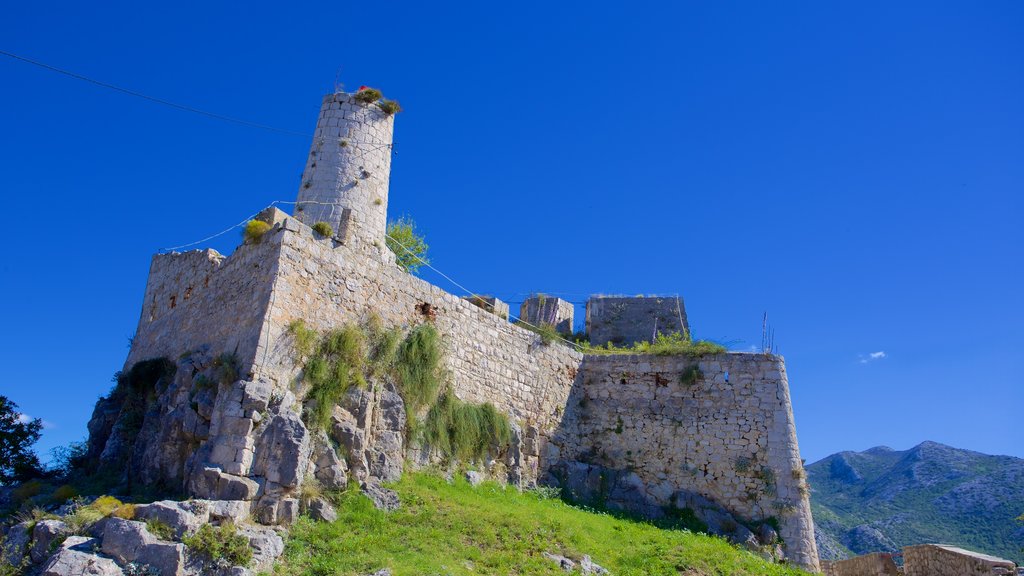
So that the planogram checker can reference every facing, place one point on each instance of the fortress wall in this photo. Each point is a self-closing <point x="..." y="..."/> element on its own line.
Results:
<point x="733" y="441"/>
<point x="201" y="298"/>
<point x="624" y="320"/>
<point x="491" y="360"/>
<point x="877" y="564"/>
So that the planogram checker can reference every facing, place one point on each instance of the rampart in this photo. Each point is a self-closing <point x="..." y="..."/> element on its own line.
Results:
<point x="877" y="564"/>
<point x="645" y="433"/>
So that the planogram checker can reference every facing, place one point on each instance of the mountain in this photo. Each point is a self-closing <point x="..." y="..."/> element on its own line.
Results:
<point x="883" y="499"/>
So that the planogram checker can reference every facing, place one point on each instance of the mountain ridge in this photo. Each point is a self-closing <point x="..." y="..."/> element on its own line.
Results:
<point x="882" y="499"/>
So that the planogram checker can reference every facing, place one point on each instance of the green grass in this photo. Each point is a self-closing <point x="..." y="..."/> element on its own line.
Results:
<point x="465" y="431"/>
<point x="419" y="367"/>
<point x="545" y="330"/>
<point x="663" y="345"/>
<point x="459" y="530"/>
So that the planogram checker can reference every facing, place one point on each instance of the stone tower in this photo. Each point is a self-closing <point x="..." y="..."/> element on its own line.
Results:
<point x="345" y="182"/>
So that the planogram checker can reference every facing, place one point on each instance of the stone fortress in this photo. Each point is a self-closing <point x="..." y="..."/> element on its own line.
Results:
<point x="639" y="433"/>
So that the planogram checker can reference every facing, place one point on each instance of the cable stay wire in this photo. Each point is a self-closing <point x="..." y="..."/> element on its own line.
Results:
<point x="153" y="98"/>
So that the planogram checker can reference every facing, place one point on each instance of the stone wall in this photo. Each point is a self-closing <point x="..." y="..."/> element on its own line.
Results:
<point x="327" y="284"/>
<point x="626" y="320"/>
<point x="877" y="564"/>
<point x="939" y="560"/>
<point x="201" y="298"/>
<point x="664" y="431"/>
<point x="538" y="310"/>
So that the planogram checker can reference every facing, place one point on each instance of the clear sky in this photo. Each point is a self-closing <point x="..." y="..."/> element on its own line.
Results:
<point x="855" y="169"/>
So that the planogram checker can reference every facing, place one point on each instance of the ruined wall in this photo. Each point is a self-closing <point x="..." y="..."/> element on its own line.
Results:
<point x="877" y="564"/>
<point x="624" y="320"/>
<point x="664" y="432"/>
<point x="938" y="560"/>
<point x="327" y="284"/>
<point x="539" y="310"/>
<point x="201" y="298"/>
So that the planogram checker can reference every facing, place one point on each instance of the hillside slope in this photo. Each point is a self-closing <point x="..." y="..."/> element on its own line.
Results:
<point x="444" y="528"/>
<point x="883" y="499"/>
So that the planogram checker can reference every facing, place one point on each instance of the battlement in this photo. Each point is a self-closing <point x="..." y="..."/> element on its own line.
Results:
<point x="625" y="320"/>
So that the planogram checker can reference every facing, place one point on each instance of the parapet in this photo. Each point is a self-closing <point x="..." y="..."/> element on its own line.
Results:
<point x="541" y="309"/>
<point x="493" y="305"/>
<point x="624" y="320"/>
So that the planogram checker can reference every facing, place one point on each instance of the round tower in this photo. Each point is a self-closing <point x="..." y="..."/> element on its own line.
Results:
<point x="345" y="182"/>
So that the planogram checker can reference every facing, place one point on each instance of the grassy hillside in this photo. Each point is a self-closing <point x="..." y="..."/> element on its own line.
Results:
<point x="884" y="499"/>
<point x="457" y="529"/>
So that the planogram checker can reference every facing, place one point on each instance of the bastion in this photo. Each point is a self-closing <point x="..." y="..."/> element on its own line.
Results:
<point x="652" y="435"/>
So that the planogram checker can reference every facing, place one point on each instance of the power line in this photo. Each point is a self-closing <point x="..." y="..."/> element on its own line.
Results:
<point x="153" y="98"/>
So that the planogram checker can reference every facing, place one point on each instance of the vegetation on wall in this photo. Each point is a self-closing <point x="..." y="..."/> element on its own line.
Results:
<point x="545" y="330"/>
<point x="419" y="367"/>
<point x="464" y="431"/>
<point x="254" y="231"/>
<point x="335" y="364"/>
<point x="323" y="229"/>
<point x="367" y="96"/>
<point x="409" y="248"/>
<point x="663" y="345"/>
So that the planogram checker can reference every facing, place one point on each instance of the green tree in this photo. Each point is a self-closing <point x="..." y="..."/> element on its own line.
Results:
<point x="409" y="248"/>
<point x="17" y="435"/>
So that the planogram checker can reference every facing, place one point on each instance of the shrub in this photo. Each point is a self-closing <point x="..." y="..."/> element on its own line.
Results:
<point x="63" y="494"/>
<point x="418" y="367"/>
<point x="83" y="517"/>
<point x="159" y="529"/>
<point x="691" y="375"/>
<point x="124" y="512"/>
<point x="220" y="543"/>
<point x="465" y="431"/>
<point x="409" y="247"/>
<point x="367" y="96"/>
<point x="226" y="368"/>
<point x="389" y="107"/>
<point x="255" y="230"/>
<point x="304" y="338"/>
<point x="337" y="364"/>
<point x="546" y="331"/>
<point x="323" y="229"/>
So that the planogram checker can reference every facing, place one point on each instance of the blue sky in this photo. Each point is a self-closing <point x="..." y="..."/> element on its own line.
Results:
<point x="854" y="169"/>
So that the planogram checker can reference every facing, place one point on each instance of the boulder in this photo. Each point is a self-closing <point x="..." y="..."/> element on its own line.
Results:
<point x="236" y="511"/>
<point x="183" y="517"/>
<point x="588" y="566"/>
<point x="15" y="544"/>
<point x="321" y="509"/>
<point x="474" y="478"/>
<point x="563" y="562"/>
<point x="129" y="542"/>
<point x="266" y="545"/>
<point x="282" y="451"/>
<point x="44" y="538"/>
<point x="383" y="498"/>
<point x="330" y="470"/>
<point x="77" y="557"/>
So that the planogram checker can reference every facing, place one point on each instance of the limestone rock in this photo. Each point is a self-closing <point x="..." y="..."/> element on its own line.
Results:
<point x="563" y="562"/>
<point x="44" y="535"/>
<point x="330" y="470"/>
<point x="383" y="498"/>
<point x="236" y="511"/>
<point x="16" y="543"/>
<point x="588" y="566"/>
<point x="77" y="557"/>
<point x="266" y="545"/>
<point x="282" y="451"/>
<point x="183" y="517"/>
<point x="129" y="541"/>
<point x="321" y="509"/>
<point x="474" y="478"/>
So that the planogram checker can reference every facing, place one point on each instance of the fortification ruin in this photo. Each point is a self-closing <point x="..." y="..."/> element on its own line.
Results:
<point x="655" y="435"/>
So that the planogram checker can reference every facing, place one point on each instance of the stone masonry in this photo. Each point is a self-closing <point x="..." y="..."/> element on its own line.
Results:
<point x="624" y="320"/>
<point x="714" y="434"/>
<point x="541" y="309"/>
<point x="923" y="560"/>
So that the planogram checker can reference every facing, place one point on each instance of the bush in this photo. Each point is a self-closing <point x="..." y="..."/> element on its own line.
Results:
<point x="367" y="96"/>
<point x="83" y="517"/>
<point x="409" y="247"/>
<point x="336" y="365"/>
<point x="323" y="229"/>
<point x="124" y="512"/>
<point x="255" y="230"/>
<point x="418" y="367"/>
<point x="465" y="431"/>
<point x="159" y="529"/>
<point x="389" y="107"/>
<point x="304" y="338"/>
<point x="220" y="543"/>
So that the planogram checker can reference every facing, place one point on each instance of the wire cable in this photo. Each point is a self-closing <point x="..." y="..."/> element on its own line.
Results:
<point x="153" y="98"/>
